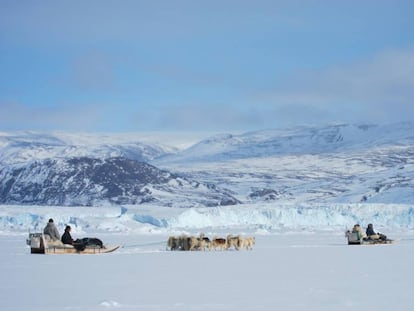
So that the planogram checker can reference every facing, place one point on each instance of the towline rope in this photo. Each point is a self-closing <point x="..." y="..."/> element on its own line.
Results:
<point x="144" y="244"/>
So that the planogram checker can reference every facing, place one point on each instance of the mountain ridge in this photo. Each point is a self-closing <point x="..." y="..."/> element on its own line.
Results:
<point x="335" y="163"/>
<point x="296" y="140"/>
<point x="85" y="181"/>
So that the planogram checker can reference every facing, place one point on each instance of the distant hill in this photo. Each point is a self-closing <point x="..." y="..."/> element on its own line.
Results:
<point x="87" y="181"/>
<point x="22" y="147"/>
<point x="298" y="140"/>
<point x="339" y="163"/>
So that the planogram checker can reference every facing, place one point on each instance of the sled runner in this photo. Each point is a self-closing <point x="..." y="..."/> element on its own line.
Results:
<point x="354" y="239"/>
<point x="40" y="245"/>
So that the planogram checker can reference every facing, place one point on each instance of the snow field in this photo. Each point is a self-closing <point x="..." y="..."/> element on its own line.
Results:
<point x="300" y="260"/>
<point x="291" y="271"/>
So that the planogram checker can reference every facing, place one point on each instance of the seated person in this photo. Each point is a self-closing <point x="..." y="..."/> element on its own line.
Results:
<point x="51" y="230"/>
<point x="360" y="233"/>
<point x="79" y="244"/>
<point x="373" y="235"/>
<point x="66" y="237"/>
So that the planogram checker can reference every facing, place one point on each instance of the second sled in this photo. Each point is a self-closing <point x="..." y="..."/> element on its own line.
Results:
<point x="354" y="239"/>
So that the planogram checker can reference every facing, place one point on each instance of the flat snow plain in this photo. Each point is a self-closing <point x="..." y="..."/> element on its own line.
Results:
<point x="307" y="270"/>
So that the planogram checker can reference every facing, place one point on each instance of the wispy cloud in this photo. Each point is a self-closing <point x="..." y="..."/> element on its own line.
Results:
<point x="379" y="89"/>
<point x="17" y="116"/>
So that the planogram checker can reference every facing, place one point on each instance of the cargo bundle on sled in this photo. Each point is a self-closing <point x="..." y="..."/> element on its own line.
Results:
<point x="40" y="244"/>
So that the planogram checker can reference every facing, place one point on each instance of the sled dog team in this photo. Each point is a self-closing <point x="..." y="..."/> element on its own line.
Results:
<point x="191" y="243"/>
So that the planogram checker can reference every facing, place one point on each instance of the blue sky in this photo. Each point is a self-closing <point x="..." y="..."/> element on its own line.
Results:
<point x="122" y="66"/>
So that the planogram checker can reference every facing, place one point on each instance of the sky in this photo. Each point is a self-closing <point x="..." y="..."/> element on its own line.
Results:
<point x="188" y="66"/>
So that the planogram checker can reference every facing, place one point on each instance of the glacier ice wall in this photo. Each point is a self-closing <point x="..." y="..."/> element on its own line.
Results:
<point x="270" y="217"/>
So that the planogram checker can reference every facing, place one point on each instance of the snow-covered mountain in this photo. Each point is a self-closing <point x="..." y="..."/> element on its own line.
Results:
<point x="338" y="163"/>
<point x="86" y="181"/>
<point x="336" y="138"/>
<point x="23" y="147"/>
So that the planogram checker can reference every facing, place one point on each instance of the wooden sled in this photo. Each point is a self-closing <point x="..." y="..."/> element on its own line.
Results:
<point x="40" y="245"/>
<point x="353" y="239"/>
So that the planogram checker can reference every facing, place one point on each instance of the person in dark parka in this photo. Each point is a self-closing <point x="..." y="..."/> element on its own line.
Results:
<point x="370" y="230"/>
<point x="374" y="235"/>
<point x="66" y="237"/>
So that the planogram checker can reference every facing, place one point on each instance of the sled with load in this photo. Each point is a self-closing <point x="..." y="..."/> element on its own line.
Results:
<point x="41" y="244"/>
<point x="357" y="237"/>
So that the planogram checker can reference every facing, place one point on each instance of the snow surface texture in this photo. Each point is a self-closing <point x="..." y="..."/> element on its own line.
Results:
<point x="291" y="267"/>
